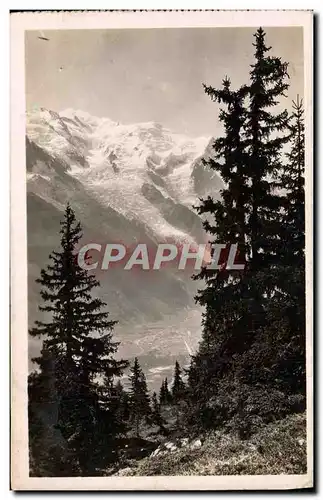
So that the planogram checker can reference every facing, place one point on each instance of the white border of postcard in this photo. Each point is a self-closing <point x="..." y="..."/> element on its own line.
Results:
<point x="20" y="22"/>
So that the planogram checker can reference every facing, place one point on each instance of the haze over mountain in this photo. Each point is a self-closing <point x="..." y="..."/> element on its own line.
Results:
<point x="131" y="184"/>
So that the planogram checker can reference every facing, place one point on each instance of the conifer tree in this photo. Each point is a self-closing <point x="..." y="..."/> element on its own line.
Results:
<point x="122" y="401"/>
<point x="250" y="213"/>
<point x="226" y="224"/>
<point x="292" y="181"/>
<point x="78" y="334"/>
<point x="266" y="133"/>
<point x="156" y="417"/>
<point x="168" y="395"/>
<point x="139" y="399"/>
<point x="178" y="387"/>
<point x="115" y="413"/>
<point x="288" y="308"/>
<point x="162" y="393"/>
<point x="165" y="396"/>
<point x="48" y="452"/>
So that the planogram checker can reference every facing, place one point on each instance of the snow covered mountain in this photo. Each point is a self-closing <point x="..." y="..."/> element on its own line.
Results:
<point x="127" y="183"/>
<point x="134" y="169"/>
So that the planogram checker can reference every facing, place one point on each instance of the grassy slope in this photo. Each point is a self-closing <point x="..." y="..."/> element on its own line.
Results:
<point x="278" y="448"/>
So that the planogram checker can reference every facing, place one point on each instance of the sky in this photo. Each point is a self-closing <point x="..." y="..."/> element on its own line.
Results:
<point x="142" y="75"/>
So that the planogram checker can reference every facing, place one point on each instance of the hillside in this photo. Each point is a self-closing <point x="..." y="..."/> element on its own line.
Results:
<point x="277" y="448"/>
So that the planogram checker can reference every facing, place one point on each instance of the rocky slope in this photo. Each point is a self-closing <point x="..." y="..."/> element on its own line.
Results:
<point x="277" y="448"/>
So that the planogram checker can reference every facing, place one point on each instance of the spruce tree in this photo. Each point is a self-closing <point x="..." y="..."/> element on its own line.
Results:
<point x="49" y="454"/>
<point x="122" y="402"/>
<point x="178" y="387"/>
<point x="162" y="393"/>
<point x="78" y="333"/>
<point x="115" y="412"/>
<point x="226" y="223"/>
<point x="265" y="132"/>
<point x="249" y="158"/>
<point x="288" y="308"/>
<point x="138" y="396"/>
<point x="168" y="395"/>
<point x="292" y="181"/>
<point x="156" y="417"/>
<point x="165" y="396"/>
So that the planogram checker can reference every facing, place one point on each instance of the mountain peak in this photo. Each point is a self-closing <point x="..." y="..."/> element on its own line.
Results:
<point x="117" y="163"/>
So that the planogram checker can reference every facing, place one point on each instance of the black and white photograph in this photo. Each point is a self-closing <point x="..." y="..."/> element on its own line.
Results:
<point x="164" y="274"/>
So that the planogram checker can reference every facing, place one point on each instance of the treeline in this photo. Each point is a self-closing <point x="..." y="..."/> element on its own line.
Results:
<point x="249" y="368"/>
